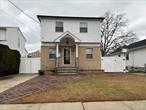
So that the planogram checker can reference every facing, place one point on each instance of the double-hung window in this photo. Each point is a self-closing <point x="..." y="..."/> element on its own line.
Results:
<point x="89" y="53"/>
<point x="83" y="27"/>
<point x="59" y="26"/>
<point x="52" y="53"/>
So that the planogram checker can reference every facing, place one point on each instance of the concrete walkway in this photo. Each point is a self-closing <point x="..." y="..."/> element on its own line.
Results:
<point x="115" y="105"/>
<point x="141" y="74"/>
<point x="7" y="83"/>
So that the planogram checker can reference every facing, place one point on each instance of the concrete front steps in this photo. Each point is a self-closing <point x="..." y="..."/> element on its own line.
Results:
<point x="66" y="70"/>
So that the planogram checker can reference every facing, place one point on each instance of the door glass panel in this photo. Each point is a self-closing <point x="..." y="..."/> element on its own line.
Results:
<point x="66" y="55"/>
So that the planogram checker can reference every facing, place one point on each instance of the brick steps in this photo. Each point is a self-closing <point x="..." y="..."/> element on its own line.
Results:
<point x="66" y="70"/>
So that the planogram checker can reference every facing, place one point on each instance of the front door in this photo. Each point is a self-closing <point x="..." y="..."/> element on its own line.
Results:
<point x="67" y="54"/>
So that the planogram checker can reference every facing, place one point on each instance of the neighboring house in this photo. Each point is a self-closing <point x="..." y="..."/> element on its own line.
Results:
<point x="35" y="54"/>
<point x="13" y="37"/>
<point x="69" y="44"/>
<point x="135" y="57"/>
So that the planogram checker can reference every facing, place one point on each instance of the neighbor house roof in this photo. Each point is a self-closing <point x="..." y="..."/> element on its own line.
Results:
<point x="133" y="46"/>
<point x="70" y="17"/>
<point x="137" y="44"/>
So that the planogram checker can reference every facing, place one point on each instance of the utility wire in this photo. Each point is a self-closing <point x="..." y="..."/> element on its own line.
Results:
<point x="23" y="11"/>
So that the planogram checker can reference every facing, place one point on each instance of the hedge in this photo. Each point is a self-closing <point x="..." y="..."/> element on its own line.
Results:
<point x="9" y="61"/>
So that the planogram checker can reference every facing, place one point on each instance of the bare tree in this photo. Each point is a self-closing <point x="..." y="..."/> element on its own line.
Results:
<point x="113" y="34"/>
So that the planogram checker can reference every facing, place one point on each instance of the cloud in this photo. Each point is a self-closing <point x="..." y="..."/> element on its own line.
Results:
<point x="33" y="47"/>
<point x="135" y="12"/>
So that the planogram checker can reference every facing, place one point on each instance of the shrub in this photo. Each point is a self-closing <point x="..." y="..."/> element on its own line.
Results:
<point x="9" y="61"/>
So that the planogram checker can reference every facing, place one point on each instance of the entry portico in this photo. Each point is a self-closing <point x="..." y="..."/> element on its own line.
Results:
<point x="67" y="50"/>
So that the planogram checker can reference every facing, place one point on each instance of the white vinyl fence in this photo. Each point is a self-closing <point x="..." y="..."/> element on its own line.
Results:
<point x="29" y="65"/>
<point x="113" y="64"/>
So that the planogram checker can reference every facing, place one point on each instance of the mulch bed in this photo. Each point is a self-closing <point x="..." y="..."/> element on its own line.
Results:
<point x="33" y="85"/>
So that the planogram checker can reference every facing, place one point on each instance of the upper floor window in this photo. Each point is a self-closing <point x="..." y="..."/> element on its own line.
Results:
<point x="89" y="53"/>
<point x="83" y="27"/>
<point x="59" y="26"/>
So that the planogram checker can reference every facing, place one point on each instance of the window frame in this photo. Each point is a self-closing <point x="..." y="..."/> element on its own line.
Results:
<point x="89" y="54"/>
<point x="59" y="28"/>
<point x="83" y="29"/>
<point x="50" y="53"/>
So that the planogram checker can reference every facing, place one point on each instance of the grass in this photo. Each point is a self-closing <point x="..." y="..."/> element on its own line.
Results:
<point x="100" y="87"/>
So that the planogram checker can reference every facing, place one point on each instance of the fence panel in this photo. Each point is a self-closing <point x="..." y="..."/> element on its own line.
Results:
<point x="112" y="64"/>
<point x="29" y="65"/>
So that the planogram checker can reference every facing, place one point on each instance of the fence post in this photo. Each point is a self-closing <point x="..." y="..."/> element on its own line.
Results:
<point x="145" y="68"/>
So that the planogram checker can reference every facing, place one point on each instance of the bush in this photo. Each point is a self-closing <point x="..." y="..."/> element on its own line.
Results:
<point x="41" y="72"/>
<point x="9" y="61"/>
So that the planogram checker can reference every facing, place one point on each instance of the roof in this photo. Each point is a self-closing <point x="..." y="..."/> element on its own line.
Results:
<point x="137" y="44"/>
<point x="70" y="17"/>
<point x="130" y="47"/>
<point x="70" y="35"/>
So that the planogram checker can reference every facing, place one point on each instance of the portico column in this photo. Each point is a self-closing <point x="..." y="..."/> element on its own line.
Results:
<point x="57" y="54"/>
<point x="77" y="49"/>
<point x="57" y="50"/>
<point x="77" y="55"/>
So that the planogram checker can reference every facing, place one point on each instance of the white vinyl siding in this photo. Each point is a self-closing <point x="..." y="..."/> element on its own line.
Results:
<point x="2" y="34"/>
<point x="73" y="26"/>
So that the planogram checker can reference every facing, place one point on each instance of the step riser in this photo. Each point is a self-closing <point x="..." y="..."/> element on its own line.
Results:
<point x="66" y="70"/>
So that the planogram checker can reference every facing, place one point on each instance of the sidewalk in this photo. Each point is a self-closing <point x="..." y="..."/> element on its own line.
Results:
<point x="115" y="105"/>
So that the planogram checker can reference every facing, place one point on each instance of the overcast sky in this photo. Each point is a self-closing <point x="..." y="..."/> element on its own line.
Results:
<point x="10" y="16"/>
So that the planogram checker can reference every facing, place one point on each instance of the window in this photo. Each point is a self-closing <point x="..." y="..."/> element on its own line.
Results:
<point x="52" y="53"/>
<point x="83" y="27"/>
<point x="59" y="26"/>
<point x="89" y="53"/>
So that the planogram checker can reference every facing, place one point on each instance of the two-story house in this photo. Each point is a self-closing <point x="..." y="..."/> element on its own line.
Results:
<point x="13" y="37"/>
<point x="70" y="44"/>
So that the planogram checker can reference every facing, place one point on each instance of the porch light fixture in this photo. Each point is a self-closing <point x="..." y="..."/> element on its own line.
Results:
<point x="67" y="42"/>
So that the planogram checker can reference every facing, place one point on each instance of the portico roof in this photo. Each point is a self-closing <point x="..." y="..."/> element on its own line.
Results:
<point x="67" y="34"/>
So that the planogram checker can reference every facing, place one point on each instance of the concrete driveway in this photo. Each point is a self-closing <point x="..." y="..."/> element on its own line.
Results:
<point x="7" y="83"/>
<point x="115" y="105"/>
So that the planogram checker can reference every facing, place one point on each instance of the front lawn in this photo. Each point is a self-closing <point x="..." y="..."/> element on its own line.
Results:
<point x="100" y="87"/>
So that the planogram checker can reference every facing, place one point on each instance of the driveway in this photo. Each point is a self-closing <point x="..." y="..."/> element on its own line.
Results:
<point x="12" y="81"/>
<point x="115" y="105"/>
